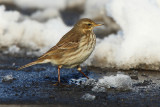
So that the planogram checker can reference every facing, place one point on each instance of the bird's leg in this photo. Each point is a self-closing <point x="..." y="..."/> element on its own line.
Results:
<point x="59" y="67"/>
<point x="80" y="70"/>
<point x="59" y="80"/>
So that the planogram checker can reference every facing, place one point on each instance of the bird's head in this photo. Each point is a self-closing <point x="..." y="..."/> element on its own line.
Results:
<point x="86" y="24"/>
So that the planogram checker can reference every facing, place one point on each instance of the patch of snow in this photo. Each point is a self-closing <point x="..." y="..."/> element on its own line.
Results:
<point x="88" y="97"/>
<point x="7" y="78"/>
<point x="137" y="45"/>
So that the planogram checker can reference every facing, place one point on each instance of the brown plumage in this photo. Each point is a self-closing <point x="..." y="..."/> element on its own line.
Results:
<point x="72" y="49"/>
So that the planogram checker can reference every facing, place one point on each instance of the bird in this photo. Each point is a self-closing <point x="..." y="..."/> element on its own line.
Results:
<point x="72" y="49"/>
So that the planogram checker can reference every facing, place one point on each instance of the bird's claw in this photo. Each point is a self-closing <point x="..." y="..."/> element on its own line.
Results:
<point x="60" y="84"/>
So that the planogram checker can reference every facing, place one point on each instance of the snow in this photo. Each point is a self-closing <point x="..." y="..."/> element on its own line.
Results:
<point x="7" y="78"/>
<point x="94" y="10"/>
<point x="41" y="4"/>
<point x="12" y="49"/>
<point x="25" y="32"/>
<point x="138" y="43"/>
<point x="119" y="81"/>
<point x="44" y="4"/>
<point x="43" y="15"/>
<point x="88" y="97"/>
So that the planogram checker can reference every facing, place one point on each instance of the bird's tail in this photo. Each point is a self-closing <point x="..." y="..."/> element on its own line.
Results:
<point x="28" y="65"/>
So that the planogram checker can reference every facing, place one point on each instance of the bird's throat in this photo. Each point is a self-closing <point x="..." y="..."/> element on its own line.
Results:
<point x="85" y="31"/>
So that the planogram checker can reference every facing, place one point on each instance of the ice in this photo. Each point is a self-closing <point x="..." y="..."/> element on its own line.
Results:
<point x="88" y="97"/>
<point x="137" y="45"/>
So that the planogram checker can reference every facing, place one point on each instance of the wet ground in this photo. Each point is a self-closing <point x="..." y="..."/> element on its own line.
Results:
<point x="34" y="86"/>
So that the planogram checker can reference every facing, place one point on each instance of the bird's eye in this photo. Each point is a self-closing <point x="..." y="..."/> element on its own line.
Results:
<point x="89" y="24"/>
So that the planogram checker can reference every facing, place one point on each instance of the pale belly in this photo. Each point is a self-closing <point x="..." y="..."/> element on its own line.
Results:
<point x="78" y="59"/>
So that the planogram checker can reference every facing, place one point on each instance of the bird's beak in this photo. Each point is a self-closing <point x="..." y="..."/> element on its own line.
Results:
<point x="98" y="24"/>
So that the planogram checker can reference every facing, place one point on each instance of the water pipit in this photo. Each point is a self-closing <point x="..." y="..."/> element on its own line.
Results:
<point x="72" y="49"/>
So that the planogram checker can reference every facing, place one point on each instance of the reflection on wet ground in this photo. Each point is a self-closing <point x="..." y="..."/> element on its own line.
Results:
<point x="34" y="85"/>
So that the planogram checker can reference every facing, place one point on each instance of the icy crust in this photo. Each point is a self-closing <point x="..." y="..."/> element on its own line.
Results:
<point x="25" y="32"/>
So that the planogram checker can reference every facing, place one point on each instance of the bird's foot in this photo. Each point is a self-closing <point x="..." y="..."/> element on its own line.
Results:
<point x="56" y="84"/>
<point x="61" y="85"/>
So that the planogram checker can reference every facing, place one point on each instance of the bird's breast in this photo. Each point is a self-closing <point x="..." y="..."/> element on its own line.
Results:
<point x="88" y="41"/>
<point x="79" y="55"/>
<point x="86" y="47"/>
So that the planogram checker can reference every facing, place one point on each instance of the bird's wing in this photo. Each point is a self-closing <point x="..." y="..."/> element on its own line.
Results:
<point x="67" y="42"/>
